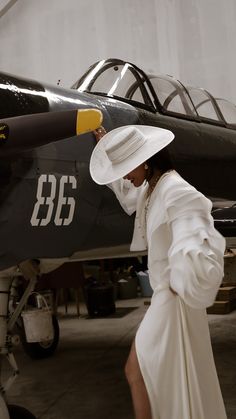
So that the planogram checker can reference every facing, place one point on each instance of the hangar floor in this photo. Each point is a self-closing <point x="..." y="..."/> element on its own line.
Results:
<point x="85" y="380"/>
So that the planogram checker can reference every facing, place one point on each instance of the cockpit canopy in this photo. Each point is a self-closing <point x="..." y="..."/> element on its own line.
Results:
<point x="162" y="93"/>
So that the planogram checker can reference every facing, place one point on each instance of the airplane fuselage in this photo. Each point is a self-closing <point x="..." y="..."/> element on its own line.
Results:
<point x="51" y="208"/>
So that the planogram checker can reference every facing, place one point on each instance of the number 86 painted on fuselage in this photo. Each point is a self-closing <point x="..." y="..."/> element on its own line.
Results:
<point x="50" y="201"/>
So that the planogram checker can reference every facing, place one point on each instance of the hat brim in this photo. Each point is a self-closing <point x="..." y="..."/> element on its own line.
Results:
<point x="103" y="171"/>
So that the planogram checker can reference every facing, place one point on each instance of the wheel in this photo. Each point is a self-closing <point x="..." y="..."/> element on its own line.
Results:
<point x="40" y="350"/>
<point x="18" y="412"/>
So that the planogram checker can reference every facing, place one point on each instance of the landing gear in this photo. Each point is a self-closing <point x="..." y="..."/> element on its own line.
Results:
<point x="9" y="316"/>
<point x="21" y="296"/>
<point x="7" y="341"/>
<point x="18" y="412"/>
<point x="40" y="350"/>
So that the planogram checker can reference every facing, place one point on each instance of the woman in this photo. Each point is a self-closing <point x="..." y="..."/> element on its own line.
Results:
<point x="170" y="368"/>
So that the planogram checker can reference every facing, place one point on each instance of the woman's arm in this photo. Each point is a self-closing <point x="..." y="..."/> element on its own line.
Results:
<point x="196" y="253"/>
<point x="125" y="192"/>
<point x="195" y="261"/>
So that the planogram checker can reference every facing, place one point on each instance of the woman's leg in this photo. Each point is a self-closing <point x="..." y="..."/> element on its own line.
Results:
<point x="134" y="376"/>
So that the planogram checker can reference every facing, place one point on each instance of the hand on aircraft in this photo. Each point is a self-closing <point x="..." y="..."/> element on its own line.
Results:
<point x="99" y="133"/>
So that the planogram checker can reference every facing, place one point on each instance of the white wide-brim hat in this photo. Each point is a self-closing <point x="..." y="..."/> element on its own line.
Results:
<point x="123" y="149"/>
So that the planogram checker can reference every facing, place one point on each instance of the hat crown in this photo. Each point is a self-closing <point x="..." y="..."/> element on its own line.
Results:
<point x="124" y="144"/>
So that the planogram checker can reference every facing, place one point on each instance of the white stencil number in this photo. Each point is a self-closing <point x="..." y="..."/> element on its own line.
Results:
<point x="62" y="200"/>
<point x="50" y="201"/>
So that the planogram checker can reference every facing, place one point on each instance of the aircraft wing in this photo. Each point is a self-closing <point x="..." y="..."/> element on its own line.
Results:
<point x="21" y="133"/>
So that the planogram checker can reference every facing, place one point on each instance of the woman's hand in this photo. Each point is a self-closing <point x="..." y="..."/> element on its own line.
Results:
<point x="99" y="133"/>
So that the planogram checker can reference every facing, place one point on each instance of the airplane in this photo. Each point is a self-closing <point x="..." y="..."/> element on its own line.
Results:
<point x="51" y="212"/>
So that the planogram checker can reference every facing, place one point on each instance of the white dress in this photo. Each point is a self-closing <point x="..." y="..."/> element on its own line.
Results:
<point x="185" y="252"/>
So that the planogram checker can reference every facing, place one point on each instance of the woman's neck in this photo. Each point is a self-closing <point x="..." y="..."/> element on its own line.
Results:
<point x="153" y="180"/>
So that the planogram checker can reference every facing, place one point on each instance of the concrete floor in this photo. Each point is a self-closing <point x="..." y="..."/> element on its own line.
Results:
<point x="85" y="380"/>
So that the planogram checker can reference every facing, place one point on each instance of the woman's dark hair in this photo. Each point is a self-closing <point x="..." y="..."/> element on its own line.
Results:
<point x="160" y="161"/>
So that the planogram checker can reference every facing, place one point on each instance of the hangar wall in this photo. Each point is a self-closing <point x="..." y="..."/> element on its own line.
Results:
<point x="193" y="40"/>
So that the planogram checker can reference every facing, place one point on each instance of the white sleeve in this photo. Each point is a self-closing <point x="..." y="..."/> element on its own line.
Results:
<point x="196" y="254"/>
<point x="126" y="193"/>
